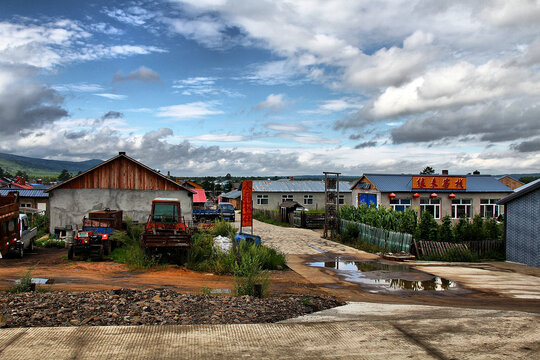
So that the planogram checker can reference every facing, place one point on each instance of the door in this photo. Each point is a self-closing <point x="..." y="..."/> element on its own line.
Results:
<point x="367" y="199"/>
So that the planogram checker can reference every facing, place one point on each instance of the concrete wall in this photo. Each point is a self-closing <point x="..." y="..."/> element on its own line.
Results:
<point x="522" y="230"/>
<point x="69" y="206"/>
<point x="275" y="199"/>
<point x="446" y="203"/>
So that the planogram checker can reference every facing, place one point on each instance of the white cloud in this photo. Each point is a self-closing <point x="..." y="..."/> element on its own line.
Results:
<point x="335" y="105"/>
<point x="273" y="103"/>
<point x="80" y="87"/>
<point x="194" y="110"/>
<point x="112" y="96"/>
<point x="286" y="127"/>
<point x="219" y="137"/>
<point x="143" y="74"/>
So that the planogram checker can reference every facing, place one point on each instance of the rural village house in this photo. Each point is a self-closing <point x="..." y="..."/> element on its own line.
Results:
<point x="441" y="195"/>
<point x="522" y="213"/>
<point x="120" y="183"/>
<point x="269" y="195"/>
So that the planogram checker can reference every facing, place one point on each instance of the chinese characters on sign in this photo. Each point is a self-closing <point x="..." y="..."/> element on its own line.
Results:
<point x="247" y="203"/>
<point x="439" y="182"/>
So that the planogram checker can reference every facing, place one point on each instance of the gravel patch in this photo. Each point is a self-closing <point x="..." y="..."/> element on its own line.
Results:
<point x="149" y="307"/>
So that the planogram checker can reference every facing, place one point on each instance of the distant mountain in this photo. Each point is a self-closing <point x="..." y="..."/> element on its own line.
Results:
<point x="41" y="167"/>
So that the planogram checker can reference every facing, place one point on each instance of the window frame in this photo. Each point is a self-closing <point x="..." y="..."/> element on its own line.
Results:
<point x="262" y="199"/>
<point x="435" y="204"/>
<point x="491" y="203"/>
<point x="308" y="199"/>
<point x="402" y="204"/>
<point x="287" y="197"/>
<point x="459" y="203"/>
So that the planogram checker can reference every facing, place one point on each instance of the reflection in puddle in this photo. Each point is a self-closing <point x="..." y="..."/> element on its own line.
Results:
<point x="387" y="276"/>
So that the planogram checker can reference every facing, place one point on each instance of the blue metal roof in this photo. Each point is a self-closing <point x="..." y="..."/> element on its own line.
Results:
<point x="286" y="185"/>
<point x="31" y="193"/>
<point x="403" y="183"/>
<point x="232" y="194"/>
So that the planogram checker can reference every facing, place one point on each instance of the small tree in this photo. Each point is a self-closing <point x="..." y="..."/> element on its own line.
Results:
<point x="427" y="171"/>
<point x="427" y="228"/>
<point x="445" y="230"/>
<point x="64" y="175"/>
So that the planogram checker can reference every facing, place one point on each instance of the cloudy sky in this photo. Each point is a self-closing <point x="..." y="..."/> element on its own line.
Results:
<point x="209" y="87"/>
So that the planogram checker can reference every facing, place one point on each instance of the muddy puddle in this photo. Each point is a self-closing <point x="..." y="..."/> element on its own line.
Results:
<point x="385" y="276"/>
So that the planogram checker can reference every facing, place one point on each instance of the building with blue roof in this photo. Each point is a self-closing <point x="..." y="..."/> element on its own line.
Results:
<point x="270" y="194"/>
<point x="441" y="195"/>
<point x="35" y="200"/>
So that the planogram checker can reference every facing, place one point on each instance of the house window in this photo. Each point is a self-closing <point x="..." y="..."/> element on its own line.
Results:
<point x="308" y="199"/>
<point x="461" y="208"/>
<point x="262" y="199"/>
<point x="400" y="204"/>
<point x="489" y="208"/>
<point x="28" y="205"/>
<point x="286" y="197"/>
<point x="341" y="200"/>
<point x="432" y="206"/>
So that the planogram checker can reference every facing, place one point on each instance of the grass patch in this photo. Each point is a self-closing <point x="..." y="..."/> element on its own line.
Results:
<point x="25" y="283"/>
<point x="131" y="253"/>
<point x="454" y="254"/>
<point x="257" y="215"/>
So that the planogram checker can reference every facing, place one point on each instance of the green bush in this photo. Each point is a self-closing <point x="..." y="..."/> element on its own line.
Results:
<point x="130" y="252"/>
<point x="445" y="230"/>
<point x="428" y="228"/>
<point x="350" y="234"/>
<point x="41" y="222"/>
<point x="381" y="217"/>
<point x="204" y="257"/>
<point x="24" y="284"/>
<point x="50" y="242"/>
<point x="258" y="215"/>
<point x="248" y="272"/>
<point x="224" y="228"/>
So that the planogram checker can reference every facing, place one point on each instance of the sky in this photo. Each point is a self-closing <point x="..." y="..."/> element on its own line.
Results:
<point x="210" y="87"/>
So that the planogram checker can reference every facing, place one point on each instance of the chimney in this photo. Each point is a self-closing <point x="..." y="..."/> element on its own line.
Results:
<point x="445" y="172"/>
<point x="291" y="178"/>
<point x="122" y="153"/>
<point x="476" y="172"/>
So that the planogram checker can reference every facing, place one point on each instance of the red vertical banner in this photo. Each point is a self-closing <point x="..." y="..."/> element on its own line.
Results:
<point x="247" y="203"/>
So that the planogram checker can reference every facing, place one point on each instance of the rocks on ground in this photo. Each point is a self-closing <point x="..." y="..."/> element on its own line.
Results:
<point x="149" y="307"/>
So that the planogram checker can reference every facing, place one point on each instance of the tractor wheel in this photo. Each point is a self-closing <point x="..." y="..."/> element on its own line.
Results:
<point x="21" y="251"/>
<point x="70" y="253"/>
<point x="106" y="248"/>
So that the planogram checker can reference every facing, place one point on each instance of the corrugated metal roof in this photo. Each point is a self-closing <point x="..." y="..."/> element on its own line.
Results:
<point x="35" y="193"/>
<point x="403" y="183"/>
<point x="286" y="185"/>
<point x="199" y="196"/>
<point x="235" y="194"/>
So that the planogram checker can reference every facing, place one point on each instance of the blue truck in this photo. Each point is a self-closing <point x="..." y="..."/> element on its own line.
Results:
<point x="224" y="211"/>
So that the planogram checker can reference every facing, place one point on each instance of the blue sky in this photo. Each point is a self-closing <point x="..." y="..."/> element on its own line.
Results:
<point x="211" y="87"/>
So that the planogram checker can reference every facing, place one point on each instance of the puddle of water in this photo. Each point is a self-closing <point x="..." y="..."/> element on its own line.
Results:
<point x="387" y="276"/>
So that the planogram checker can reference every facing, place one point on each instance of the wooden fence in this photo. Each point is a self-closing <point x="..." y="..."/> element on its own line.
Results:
<point x="307" y="220"/>
<point x="389" y="240"/>
<point x="436" y="248"/>
<point x="272" y="214"/>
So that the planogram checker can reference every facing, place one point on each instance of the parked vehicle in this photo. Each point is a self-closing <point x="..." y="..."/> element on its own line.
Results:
<point x="166" y="229"/>
<point x="224" y="211"/>
<point x="27" y="235"/>
<point x="9" y="222"/>
<point x="227" y="211"/>
<point x="93" y="240"/>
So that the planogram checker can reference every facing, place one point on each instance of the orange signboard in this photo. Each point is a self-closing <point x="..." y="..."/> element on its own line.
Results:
<point x="439" y="182"/>
<point x="247" y="203"/>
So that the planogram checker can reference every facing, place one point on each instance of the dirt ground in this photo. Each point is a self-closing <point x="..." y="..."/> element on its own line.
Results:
<point x="103" y="275"/>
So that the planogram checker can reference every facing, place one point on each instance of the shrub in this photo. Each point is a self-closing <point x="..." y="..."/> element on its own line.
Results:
<point x="224" y="228"/>
<point x="131" y="253"/>
<point x="50" y="242"/>
<point x="248" y="272"/>
<point x="456" y="254"/>
<point x="41" y="222"/>
<point x="25" y="283"/>
<point x="427" y="228"/>
<point x="350" y="234"/>
<point x="445" y="230"/>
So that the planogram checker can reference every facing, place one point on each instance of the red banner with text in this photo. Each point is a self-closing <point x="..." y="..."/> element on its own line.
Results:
<point x="247" y="203"/>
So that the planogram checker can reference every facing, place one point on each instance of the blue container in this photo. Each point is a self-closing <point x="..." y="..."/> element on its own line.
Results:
<point x="248" y="238"/>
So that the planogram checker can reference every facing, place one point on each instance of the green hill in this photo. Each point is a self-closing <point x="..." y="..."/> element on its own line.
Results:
<point x="35" y="167"/>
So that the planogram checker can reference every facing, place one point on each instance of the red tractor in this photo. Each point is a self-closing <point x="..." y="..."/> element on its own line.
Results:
<point x="166" y="231"/>
<point x="9" y="222"/>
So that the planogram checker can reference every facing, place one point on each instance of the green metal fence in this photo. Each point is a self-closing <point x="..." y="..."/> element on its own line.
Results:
<point x="389" y="240"/>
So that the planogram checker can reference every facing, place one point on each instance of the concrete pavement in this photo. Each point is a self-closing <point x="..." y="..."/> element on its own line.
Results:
<point x="354" y="331"/>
